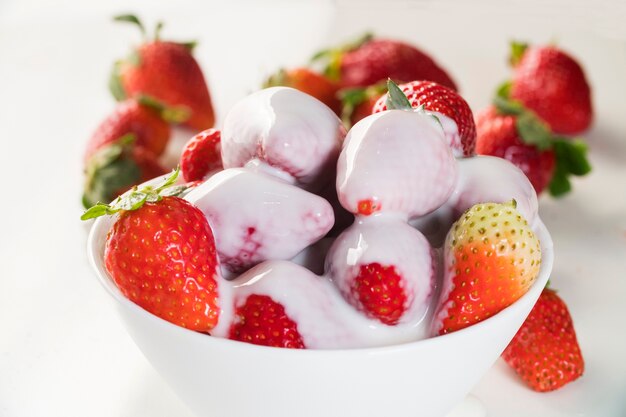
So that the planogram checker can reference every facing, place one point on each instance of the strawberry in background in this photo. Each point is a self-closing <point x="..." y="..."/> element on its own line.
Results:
<point x="123" y="150"/>
<point x="166" y="71"/>
<point x="545" y="352"/>
<point x="551" y="83"/>
<point x="369" y="61"/>
<point x="509" y="130"/>
<point x="117" y="166"/>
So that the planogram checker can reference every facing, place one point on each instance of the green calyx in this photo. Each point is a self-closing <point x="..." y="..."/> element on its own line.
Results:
<point x="396" y="99"/>
<point x="110" y="170"/>
<point x="171" y="114"/>
<point x="570" y="154"/>
<point x="137" y="197"/>
<point x="279" y="78"/>
<point x="517" y="52"/>
<point x="331" y="57"/>
<point x="351" y="98"/>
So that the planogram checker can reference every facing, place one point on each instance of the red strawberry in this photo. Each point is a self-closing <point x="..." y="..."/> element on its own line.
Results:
<point x="369" y="61"/>
<point x="553" y="85"/>
<point x="201" y="155"/>
<point x="545" y="352"/>
<point x="498" y="136"/>
<point x="310" y="82"/>
<point x="491" y="258"/>
<point x="438" y="98"/>
<point x="116" y="167"/>
<point x="263" y="321"/>
<point x="379" y="291"/>
<point x="143" y="118"/>
<point x="161" y="254"/>
<point x="168" y="72"/>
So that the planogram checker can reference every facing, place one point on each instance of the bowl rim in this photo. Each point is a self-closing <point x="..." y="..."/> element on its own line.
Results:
<point x="97" y="264"/>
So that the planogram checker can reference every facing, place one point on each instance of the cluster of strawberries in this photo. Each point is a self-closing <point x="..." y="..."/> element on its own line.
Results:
<point x="160" y="83"/>
<point x="548" y="96"/>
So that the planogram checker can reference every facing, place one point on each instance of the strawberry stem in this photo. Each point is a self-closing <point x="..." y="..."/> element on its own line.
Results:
<point x="517" y="52"/>
<point x="157" y="31"/>
<point x="131" y="18"/>
<point x="137" y="197"/>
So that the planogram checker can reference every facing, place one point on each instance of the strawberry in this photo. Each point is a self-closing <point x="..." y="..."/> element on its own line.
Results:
<point x="545" y="352"/>
<point x="369" y="61"/>
<point x="552" y="84"/>
<point x="115" y="167"/>
<point x="508" y="130"/>
<point x="143" y="117"/>
<point x="309" y="82"/>
<point x="263" y="321"/>
<point x="379" y="291"/>
<point x="491" y="258"/>
<point x="161" y="254"/>
<point x="201" y="155"/>
<point x="166" y="71"/>
<point x="438" y="98"/>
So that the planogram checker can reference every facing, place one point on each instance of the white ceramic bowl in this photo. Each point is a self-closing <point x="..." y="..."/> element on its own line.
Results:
<point x="222" y="378"/>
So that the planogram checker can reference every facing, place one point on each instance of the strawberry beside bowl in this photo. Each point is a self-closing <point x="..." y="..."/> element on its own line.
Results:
<point x="217" y="376"/>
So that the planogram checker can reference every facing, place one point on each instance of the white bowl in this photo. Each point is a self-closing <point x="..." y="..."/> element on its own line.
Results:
<point x="220" y="377"/>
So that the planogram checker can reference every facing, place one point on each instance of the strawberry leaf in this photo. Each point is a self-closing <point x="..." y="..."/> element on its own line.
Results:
<point x="174" y="114"/>
<point x="115" y="82"/>
<point x="131" y="18"/>
<point x="572" y="154"/>
<point x="136" y="198"/>
<point x="396" y="99"/>
<point x="507" y="106"/>
<point x="533" y="131"/>
<point x="331" y="57"/>
<point x="504" y="90"/>
<point x="517" y="51"/>
<point x="571" y="159"/>
<point x="560" y="184"/>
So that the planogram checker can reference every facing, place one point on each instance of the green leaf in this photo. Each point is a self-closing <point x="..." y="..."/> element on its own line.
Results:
<point x="279" y="78"/>
<point x="517" y="51"/>
<point x="157" y="30"/>
<point x="174" y="114"/>
<point x="189" y="45"/>
<point x="115" y="83"/>
<point x="396" y="99"/>
<point x="572" y="154"/>
<point x="331" y="57"/>
<point x="95" y="211"/>
<point x="507" y="106"/>
<point x="131" y="18"/>
<point x="134" y="58"/>
<point x="560" y="184"/>
<point x="136" y="198"/>
<point x="504" y="90"/>
<point x="533" y="131"/>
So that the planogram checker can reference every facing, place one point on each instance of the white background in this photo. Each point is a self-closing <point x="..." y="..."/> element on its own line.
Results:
<point x="63" y="351"/>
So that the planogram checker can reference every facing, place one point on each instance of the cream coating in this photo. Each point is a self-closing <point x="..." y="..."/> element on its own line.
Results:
<point x="324" y="319"/>
<point x="399" y="160"/>
<point x="482" y="179"/>
<point x="287" y="129"/>
<point x="256" y="217"/>
<point x="386" y="239"/>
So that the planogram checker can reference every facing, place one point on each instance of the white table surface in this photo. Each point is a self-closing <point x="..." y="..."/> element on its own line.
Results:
<point x="63" y="351"/>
